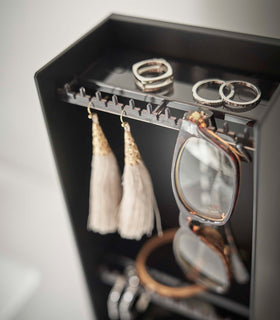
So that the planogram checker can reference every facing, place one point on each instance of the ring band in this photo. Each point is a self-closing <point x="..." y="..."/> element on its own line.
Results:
<point x="129" y="295"/>
<point x="114" y="298"/>
<point x="231" y="103"/>
<point x="150" y="84"/>
<point x="211" y="102"/>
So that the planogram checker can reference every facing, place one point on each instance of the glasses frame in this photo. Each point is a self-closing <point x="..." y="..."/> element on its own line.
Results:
<point x="211" y="238"/>
<point x="195" y="124"/>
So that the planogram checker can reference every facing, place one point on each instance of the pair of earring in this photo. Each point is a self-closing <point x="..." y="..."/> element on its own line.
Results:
<point x="128" y="207"/>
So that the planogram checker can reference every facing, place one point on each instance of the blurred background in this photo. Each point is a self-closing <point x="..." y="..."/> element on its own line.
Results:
<point x="40" y="273"/>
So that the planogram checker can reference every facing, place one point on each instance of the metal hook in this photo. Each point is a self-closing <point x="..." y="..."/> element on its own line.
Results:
<point x="90" y="114"/>
<point x="124" y="124"/>
<point x="121" y="118"/>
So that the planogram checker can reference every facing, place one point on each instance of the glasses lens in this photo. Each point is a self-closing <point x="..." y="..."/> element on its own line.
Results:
<point x="199" y="260"/>
<point x="205" y="179"/>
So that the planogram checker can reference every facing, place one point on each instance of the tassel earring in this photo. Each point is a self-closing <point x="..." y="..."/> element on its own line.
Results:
<point x="138" y="204"/>
<point x="105" y="183"/>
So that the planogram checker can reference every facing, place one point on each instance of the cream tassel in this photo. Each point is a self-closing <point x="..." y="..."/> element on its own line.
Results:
<point x="105" y="183"/>
<point x="138" y="204"/>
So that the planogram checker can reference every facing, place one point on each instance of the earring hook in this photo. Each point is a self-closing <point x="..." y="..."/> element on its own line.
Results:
<point x="124" y="124"/>
<point x="90" y="114"/>
<point x="121" y="118"/>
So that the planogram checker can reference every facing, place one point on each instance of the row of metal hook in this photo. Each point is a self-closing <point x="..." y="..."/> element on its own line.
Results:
<point x="160" y="114"/>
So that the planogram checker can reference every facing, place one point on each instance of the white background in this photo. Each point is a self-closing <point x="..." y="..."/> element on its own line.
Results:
<point x="34" y="225"/>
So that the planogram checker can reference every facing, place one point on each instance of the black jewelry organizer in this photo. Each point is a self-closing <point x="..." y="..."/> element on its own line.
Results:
<point x="97" y="68"/>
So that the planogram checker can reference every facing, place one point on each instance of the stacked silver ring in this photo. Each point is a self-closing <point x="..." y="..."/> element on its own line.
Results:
<point x="226" y="99"/>
<point x="156" y="66"/>
<point x="125" y="291"/>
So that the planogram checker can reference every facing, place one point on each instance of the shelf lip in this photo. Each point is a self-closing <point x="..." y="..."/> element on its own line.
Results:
<point x="176" y="104"/>
<point x="159" y="114"/>
<point x="112" y="107"/>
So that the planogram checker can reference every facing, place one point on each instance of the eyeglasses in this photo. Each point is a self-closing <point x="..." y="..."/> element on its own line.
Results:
<point x="203" y="256"/>
<point x="205" y="180"/>
<point x="205" y="172"/>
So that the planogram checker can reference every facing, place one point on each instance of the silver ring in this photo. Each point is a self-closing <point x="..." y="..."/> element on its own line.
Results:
<point x="114" y="298"/>
<point x="150" y="84"/>
<point x="211" y="102"/>
<point x="227" y="100"/>
<point x="129" y="295"/>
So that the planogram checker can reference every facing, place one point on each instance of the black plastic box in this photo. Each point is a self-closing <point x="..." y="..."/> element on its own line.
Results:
<point x="101" y="60"/>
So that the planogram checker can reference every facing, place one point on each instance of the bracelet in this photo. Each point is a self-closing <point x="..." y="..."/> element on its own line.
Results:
<point x="153" y="285"/>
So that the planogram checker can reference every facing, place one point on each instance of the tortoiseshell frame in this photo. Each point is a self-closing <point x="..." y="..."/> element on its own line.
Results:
<point x="198" y="128"/>
<point x="214" y="240"/>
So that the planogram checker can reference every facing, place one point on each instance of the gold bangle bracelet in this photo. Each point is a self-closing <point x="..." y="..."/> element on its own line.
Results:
<point x="152" y="284"/>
